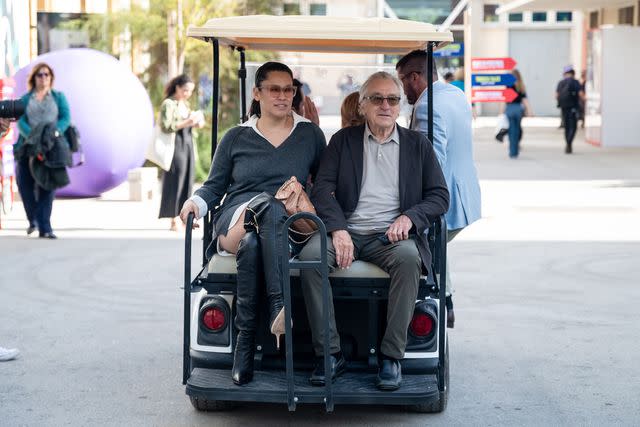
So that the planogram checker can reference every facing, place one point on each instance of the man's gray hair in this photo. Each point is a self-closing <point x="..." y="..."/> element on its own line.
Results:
<point x="380" y="75"/>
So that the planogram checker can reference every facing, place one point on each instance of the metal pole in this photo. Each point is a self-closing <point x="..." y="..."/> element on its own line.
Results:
<point x="208" y="221"/>
<point x="242" y="77"/>
<point x="186" y="357"/>
<point x="323" y="267"/>
<point x="442" y="295"/>
<point x="430" y="90"/>
<point x="216" y="96"/>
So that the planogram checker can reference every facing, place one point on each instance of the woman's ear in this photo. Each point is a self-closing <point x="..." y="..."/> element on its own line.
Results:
<point x="256" y="91"/>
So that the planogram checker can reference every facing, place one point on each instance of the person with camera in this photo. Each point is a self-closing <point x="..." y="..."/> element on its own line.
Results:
<point x="42" y="105"/>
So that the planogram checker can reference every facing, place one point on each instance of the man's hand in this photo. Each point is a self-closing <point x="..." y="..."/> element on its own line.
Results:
<point x="399" y="230"/>
<point x="189" y="206"/>
<point x="4" y="126"/>
<point x="343" y="246"/>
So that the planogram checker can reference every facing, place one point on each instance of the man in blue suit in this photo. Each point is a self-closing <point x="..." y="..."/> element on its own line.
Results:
<point x="452" y="137"/>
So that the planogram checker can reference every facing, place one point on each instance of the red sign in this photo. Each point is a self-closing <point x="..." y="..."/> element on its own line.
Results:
<point x="492" y="64"/>
<point x="496" y="95"/>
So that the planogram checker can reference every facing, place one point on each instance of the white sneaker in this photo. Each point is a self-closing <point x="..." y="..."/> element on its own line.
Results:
<point x="8" y="353"/>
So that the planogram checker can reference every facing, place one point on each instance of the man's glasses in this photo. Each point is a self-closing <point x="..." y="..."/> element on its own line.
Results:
<point x="275" y="90"/>
<point x="42" y="75"/>
<point x="378" y="100"/>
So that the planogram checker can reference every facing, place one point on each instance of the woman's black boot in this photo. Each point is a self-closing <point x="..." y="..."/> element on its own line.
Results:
<point x="249" y="279"/>
<point x="268" y="215"/>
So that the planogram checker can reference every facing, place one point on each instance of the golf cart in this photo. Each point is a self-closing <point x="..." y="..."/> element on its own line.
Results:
<point x="360" y="293"/>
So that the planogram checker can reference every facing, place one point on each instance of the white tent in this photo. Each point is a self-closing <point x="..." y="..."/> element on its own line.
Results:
<point x="321" y="34"/>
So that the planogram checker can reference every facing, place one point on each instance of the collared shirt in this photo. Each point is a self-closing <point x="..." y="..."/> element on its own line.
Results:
<point x="45" y="111"/>
<point x="379" y="202"/>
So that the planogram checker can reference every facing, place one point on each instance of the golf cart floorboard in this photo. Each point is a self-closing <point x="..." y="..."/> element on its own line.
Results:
<point x="271" y="386"/>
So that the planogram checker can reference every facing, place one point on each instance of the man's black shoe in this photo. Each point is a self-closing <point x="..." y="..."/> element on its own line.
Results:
<point x="389" y="376"/>
<point x="338" y="367"/>
<point x="47" y="236"/>
<point x="451" y="319"/>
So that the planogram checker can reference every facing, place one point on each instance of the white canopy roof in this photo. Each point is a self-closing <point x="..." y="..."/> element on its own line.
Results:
<point x="320" y="33"/>
<point x="568" y="5"/>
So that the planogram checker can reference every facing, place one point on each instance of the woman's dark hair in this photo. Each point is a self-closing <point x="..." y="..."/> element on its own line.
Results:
<point x="262" y="73"/>
<point x="175" y="82"/>
<point x="31" y="80"/>
<point x="298" y="97"/>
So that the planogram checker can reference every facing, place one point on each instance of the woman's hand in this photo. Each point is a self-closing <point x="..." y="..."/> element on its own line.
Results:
<point x="197" y="118"/>
<point x="289" y="193"/>
<point x="189" y="207"/>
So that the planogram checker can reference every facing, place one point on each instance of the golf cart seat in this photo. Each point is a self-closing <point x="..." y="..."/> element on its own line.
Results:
<point x="227" y="265"/>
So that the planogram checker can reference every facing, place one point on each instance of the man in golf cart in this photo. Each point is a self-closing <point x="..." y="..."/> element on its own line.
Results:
<point x="378" y="189"/>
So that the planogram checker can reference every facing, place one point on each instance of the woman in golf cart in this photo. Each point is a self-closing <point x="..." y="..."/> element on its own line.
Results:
<point x="275" y="146"/>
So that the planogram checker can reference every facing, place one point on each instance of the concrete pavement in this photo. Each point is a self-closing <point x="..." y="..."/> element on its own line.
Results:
<point x="546" y="303"/>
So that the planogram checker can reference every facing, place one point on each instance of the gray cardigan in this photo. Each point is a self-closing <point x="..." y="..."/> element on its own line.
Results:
<point x="246" y="164"/>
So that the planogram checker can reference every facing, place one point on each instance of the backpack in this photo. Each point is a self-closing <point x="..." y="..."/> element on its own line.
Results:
<point x="567" y="93"/>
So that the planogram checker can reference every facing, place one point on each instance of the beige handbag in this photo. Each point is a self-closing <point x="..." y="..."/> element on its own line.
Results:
<point x="161" y="148"/>
<point x="295" y="200"/>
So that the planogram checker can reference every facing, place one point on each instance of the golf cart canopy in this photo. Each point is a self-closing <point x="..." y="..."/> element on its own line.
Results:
<point x="321" y="34"/>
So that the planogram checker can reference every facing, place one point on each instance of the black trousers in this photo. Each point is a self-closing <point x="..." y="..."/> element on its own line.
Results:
<point x="37" y="202"/>
<point x="570" y="118"/>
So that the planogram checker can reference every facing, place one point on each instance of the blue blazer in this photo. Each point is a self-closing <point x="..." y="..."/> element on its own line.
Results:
<point x="452" y="142"/>
<point x="64" y="116"/>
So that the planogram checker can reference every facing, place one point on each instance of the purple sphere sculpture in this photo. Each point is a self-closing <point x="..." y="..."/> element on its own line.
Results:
<point x="110" y="108"/>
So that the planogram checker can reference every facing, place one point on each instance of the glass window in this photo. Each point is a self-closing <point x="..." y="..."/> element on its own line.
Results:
<point x="593" y="20"/>
<point x="539" y="16"/>
<point x="318" y="9"/>
<point x="564" y="16"/>
<point x="625" y="15"/>
<point x="431" y="11"/>
<point x="291" y="9"/>
<point x="490" y="13"/>
<point x="516" y="17"/>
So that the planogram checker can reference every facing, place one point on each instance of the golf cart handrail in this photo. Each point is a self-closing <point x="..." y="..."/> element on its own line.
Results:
<point x="321" y="34"/>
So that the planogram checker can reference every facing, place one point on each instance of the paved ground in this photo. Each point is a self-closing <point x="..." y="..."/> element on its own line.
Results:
<point x="547" y="305"/>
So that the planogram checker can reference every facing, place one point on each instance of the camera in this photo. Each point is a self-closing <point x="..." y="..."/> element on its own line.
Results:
<point x="11" y="109"/>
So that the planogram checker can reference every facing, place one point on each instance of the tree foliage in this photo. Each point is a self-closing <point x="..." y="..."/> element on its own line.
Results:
<point x="146" y="32"/>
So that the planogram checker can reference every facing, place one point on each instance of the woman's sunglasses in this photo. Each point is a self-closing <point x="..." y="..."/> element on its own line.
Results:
<point x="275" y="90"/>
<point x="42" y="75"/>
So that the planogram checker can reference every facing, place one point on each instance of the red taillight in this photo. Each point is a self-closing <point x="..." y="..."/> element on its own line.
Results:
<point x="214" y="318"/>
<point x="421" y="325"/>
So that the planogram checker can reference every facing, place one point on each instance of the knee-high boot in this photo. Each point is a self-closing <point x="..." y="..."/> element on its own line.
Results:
<point x="268" y="215"/>
<point x="249" y="280"/>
